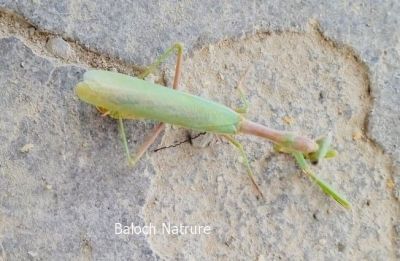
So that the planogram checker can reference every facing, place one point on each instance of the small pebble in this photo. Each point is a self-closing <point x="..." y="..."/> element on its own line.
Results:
<point x="32" y="254"/>
<point x="60" y="48"/>
<point x="31" y="31"/>
<point x="357" y="135"/>
<point x="288" y="120"/>
<point x="221" y="76"/>
<point x="390" y="183"/>
<point x="26" y="148"/>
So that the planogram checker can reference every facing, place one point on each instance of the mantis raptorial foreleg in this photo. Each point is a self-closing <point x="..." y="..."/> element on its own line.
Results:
<point x="300" y="160"/>
<point x="324" y="150"/>
<point x="239" y="146"/>
<point x="160" y="127"/>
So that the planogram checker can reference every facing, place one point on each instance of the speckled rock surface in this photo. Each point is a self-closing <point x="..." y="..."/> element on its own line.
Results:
<point x="61" y="195"/>
<point x="297" y="76"/>
<point x="64" y="180"/>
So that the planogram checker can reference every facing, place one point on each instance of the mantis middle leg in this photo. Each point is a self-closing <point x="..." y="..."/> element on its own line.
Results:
<point x="161" y="126"/>
<point x="245" y="162"/>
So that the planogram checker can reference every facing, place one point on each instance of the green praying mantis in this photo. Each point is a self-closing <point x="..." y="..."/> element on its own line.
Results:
<point x="124" y="97"/>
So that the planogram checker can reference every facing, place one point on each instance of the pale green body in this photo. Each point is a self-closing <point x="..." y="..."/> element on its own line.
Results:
<point x="125" y="97"/>
<point x="132" y="98"/>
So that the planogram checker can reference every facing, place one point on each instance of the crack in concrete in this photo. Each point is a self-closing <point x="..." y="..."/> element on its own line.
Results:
<point x="348" y="51"/>
<point x="12" y="24"/>
<point x="189" y="139"/>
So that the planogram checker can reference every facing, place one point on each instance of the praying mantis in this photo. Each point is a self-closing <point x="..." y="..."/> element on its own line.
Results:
<point x="124" y="97"/>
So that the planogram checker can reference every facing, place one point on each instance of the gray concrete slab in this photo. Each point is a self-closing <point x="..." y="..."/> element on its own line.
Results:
<point x="61" y="193"/>
<point x="78" y="184"/>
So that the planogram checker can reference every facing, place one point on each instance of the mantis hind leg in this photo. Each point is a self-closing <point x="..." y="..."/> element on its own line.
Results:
<point x="160" y="127"/>
<point x="239" y="146"/>
<point x="146" y="144"/>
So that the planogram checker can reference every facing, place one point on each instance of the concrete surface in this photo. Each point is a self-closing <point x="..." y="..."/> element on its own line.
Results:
<point x="60" y="197"/>
<point x="64" y="178"/>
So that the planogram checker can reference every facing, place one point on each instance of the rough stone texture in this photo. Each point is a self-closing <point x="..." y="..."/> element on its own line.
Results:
<point x="60" y="199"/>
<point x="69" y="161"/>
<point x="323" y="88"/>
